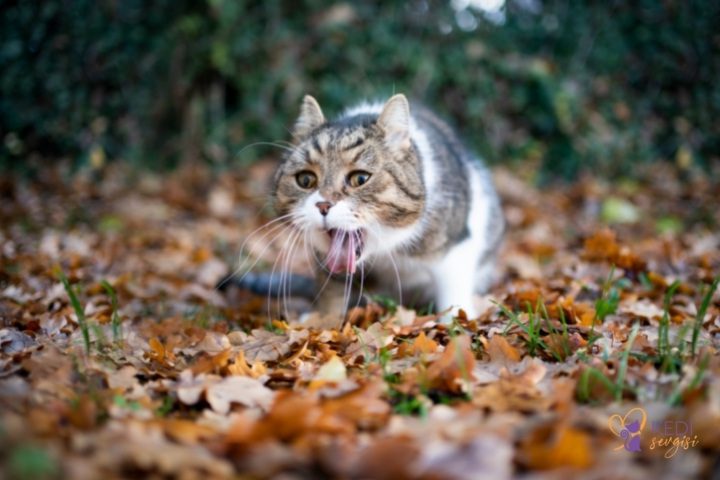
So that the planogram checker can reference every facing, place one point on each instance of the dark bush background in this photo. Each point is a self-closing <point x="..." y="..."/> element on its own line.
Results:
<point x="566" y="85"/>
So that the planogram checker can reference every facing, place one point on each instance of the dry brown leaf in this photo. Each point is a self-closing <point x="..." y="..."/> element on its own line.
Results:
<point x="161" y="353"/>
<point x="264" y="346"/>
<point x="403" y="317"/>
<point x="216" y="363"/>
<point x="642" y="309"/>
<point x="12" y="341"/>
<point x="526" y="266"/>
<point x="483" y="457"/>
<point x="186" y="431"/>
<point x="190" y="389"/>
<point x="368" y="343"/>
<point x="331" y="371"/>
<point x="243" y="390"/>
<point x="212" y="343"/>
<point x="285" y="422"/>
<point x="123" y="379"/>
<point x="241" y="367"/>
<point x="386" y="458"/>
<point x="453" y="370"/>
<point x="558" y="446"/>
<point x="364" y="407"/>
<point x="144" y="449"/>
<point x="500" y="350"/>
<point x="171" y="395"/>
<point x="514" y="392"/>
<point x="375" y="337"/>
<point x="508" y="395"/>
<point x="424" y="345"/>
<point x="601" y="246"/>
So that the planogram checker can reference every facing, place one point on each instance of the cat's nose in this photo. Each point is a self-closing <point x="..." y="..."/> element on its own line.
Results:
<point x="324" y="207"/>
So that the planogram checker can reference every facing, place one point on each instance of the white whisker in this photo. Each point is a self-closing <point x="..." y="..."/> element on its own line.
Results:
<point x="394" y="265"/>
<point x="272" y="273"/>
<point x="268" y="144"/>
<point x="275" y="231"/>
<point x="286" y="273"/>
<point x="348" y="274"/>
<point x="362" y="284"/>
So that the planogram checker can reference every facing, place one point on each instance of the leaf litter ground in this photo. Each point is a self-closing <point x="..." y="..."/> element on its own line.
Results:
<point x="595" y="354"/>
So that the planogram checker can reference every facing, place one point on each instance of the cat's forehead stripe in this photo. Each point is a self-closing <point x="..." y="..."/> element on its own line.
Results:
<point x="338" y="139"/>
<point x="316" y="145"/>
<point x="308" y="158"/>
<point x="357" y="156"/>
<point x="358" y="141"/>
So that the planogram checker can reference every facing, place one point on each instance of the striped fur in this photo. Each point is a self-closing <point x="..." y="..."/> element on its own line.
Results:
<point x="429" y="213"/>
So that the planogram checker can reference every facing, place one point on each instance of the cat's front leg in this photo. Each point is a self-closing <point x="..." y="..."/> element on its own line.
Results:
<point x="336" y="295"/>
<point x="454" y="278"/>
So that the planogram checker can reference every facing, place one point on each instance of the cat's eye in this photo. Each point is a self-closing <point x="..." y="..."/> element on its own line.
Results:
<point x="358" y="178"/>
<point x="306" y="179"/>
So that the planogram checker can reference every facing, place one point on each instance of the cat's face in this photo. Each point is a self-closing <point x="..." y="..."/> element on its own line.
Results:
<point x="354" y="187"/>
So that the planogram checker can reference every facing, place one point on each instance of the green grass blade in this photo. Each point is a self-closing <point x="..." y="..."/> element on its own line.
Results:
<point x="609" y="299"/>
<point x="676" y="396"/>
<point x="622" y="370"/>
<point x="79" y="311"/>
<point x="664" y="327"/>
<point x="115" y="317"/>
<point x="697" y="325"/>
<point x="584" y="383"/>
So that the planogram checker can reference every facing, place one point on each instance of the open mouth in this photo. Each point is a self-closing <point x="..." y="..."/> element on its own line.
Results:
<point x="346" y="246"/>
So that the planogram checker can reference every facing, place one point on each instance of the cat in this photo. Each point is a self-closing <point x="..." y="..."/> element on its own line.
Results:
<point x="388" y="192"/>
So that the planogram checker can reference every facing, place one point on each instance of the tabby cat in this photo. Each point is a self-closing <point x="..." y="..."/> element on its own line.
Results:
<point x="389" y="193"/>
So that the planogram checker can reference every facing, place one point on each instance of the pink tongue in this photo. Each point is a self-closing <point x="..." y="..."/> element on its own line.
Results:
<point x="341" y="256"/>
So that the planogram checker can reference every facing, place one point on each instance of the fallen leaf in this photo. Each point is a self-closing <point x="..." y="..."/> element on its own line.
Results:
<point x="453" y="370"/>
<point x="558" y="446"/>
<point x="514" y="392"/>
<point x="212" y="343"/>
<point x="186" y="431"/>
<point x="500" y="350"/>
<point x="386" y="458"/>
<point x="424" y="345"/>
<point x="190" y="389"/>
<point x="12" y="341"/>
<point x="332" y="371"/>
<point x="485" y="456"/>
<point x="243" y="390"/>
<point x="264" y="346"/>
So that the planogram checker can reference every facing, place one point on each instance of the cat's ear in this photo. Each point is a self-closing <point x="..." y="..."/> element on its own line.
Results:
<point x="310" y="118"/>
<point x="395" y="121"/>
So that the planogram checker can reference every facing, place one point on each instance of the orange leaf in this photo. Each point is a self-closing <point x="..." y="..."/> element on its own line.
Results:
<point x="587" y="318"/>
<point x="423" y="344"/>
<point x="243" y="367"/>
<point x="565" y="447"/>
<point x="186" y="431"/>
<point x="157" y="350"/>
<point x="295" y="357"/>
<point x="601" y="246"/>
<point x="83" y="413"/>
<point x="363" y="408"/>
<point x="454" y="366"/>
<point x="501" y="351"/>
<point x="212" y="363"/>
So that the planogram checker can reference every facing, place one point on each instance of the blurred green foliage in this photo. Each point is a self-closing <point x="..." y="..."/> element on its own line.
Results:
<point x="565" y="84"/>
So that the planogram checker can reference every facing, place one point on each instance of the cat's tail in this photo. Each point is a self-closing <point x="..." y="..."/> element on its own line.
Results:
<point x="265" y="283"/>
